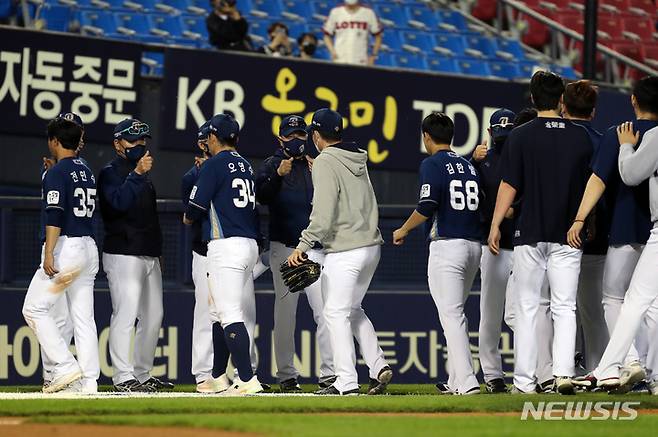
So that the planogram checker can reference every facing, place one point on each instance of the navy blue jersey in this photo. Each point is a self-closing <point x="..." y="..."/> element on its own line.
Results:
<point x="189" y="179"/>
<point x="450" y="195"/>
<point x="225" y="192"/>
<point x="69" y="197"/>
<point x="630" y="220"/>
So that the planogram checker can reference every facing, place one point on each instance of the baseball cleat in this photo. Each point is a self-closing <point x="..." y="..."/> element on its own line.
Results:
<point x="443" y="389"/>
<point x="564" y="385"/>
<point x="472" y="391"/>
<point x="289" y="386"/>
<point x="223" y="383"/>
<point x="517" y="391"/>
<point x="641" y="387"/>
<point x="326" y="381"/>
<point x="378" y="386"/>
<point x="60" y="383"/>
<point x="546" y="387"/>
<point x="495" y="386"/>
<point x="331" y="390"/>
<point x="250" y="387"/>
<point x="653" y="388"/>
<point x="45" y="386"/>
<point x="132" y="386"/>
<point x="210" y="385"/>
<point x="158" y="384"/>
<point x="629" y="376"/>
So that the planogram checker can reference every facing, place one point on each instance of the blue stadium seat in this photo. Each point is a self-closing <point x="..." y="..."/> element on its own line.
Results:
<point x="453" y="18"/>
<point x="90" y="20"/>
<point x="424" y="16"/>
<point x="414" y="61"/>
<point x="505" y="70"/>
<point x="484" y="44"/>
<point x="194" y="24"/>
<point x="322" y="53"/>
<point x="152" y="63"/>
<point x="527" y="69"/>
<point x="420" y="40"/>
<point x="56" y="17"/>
<point x="455" y="43"/>
<point x="151" y="39"/>
<point x="321" y="8"/>
<point x="443" y="64"/>
<point x="165" y="25"/>
<point x="511" y="46"/>
<point x="474" y="67"/>
<point x="300" y="9"/>
<point x="259" y="28"/>
<point x="271" y="8"/>
<point x="6" y="8"/>
<point x="392" y="15"/>
<point x="295" y="29"/>
<point x="177" y="5"/>
<point x="136" y="22"/>
<point x="565" y="71"/>
<point x="392" y="40"/>
<point x="386" y="60"/>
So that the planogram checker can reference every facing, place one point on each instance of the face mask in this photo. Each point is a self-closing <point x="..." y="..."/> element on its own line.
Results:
<point x="295" y="147"/>
<point x="498" y="143"/>
<point x="134" y="154"/>
<point x="309" y="48"/>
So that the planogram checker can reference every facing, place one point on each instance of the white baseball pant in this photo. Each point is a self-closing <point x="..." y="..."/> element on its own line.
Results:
<point x="345" y="280"/>
<point x="205" y="315"/>
<point x="495" y="273"/>
<point x="532" y="265"/>
<point x="641" y="297"/>
<point x="285" y="315"/>
<point x="60" y="313"/>
<point x="77" y="256"/>
<point x="590" y="308"/>
<point x="451" y="269"/>
<point x="136" y="293"/>
<point x="620" y="263"/>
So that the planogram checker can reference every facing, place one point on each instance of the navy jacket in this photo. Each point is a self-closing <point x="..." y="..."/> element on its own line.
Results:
<point x="189" y="179"/>
<point x="128" y="208"/>
<point x="289" y="198"/>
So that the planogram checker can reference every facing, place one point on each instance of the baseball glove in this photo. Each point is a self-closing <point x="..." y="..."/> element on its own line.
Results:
<point x="299" y="277"/>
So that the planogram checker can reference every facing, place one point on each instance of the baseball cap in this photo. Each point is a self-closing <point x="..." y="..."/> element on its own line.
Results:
<point x="131" y="129"/>
<point x="224" y="126"/>
<point x="292" y="124"/>
<point x="326" y="120"/>
<point x="204" y="131"/>
<point x="72" y="117"/>
<point x="501" y="123"/>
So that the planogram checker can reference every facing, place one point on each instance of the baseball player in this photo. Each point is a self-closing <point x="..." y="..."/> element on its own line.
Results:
<point x="284" y="184"/>
<point x="496" y="270"/>
<point x="630" y="221"/>
<point x="538" y="150"/>
<point x="347" y="33"/>
<point x="635" y="167"/>
<point x="69" y="264"/>
<point x="131" y="251"/>
<point x="450" y="195"/>
<point x="344" y="221"/>
<point x="224" y="196"/>
<point x="579" y="101"/>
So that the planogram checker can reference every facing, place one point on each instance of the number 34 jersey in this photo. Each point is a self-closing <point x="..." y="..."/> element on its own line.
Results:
<point x="450" y="195"/>
<point x="69" y="190"/>
<point x="225" y="191"/>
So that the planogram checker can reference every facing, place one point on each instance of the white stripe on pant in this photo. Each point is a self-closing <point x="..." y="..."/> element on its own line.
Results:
<point x="76" y="254"/>
<point x="136" y="292"/>
<point x="345" y="280"/>
<point x="451" y="268"/>
<point x="285" y="317"/>
<point x="532" y="264"/>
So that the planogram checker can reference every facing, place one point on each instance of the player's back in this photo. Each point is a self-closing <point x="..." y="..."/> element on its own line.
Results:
<point x="451" y="182"/>
<point x="227" y="178"/>
<point x="71" y="187"/>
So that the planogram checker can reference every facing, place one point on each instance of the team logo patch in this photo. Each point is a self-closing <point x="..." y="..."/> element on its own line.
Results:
<point x="425" y="191"/>
<point x="193" y="193"/>
<point x="52" y="198"/>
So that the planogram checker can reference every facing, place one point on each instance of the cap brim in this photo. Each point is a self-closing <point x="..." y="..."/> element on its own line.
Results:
<point x="135" y="137"/>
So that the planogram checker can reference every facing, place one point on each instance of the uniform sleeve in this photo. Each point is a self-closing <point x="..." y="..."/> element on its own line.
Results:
<point x="186" y="186"/>
<point x="636" y="166"/>
<point x="374" y="24"/>
<point x="605" y="161"/>
<point x="201" y="193"/>
<point x="120" y="193"/>
<point x="513" y="162"/>
<point x="430" y="189"/>
<point x="325" y="199"/>
<point x="330" y="25"/>
<point x="54" y="190"/>
<point x="268" y="181"/>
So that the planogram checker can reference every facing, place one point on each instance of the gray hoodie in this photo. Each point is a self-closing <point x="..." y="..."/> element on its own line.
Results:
<point x="345" y="214"/>
<point x="636" y="166"/>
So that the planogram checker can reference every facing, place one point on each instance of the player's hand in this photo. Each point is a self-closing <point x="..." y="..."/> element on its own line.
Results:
<point x="399" y="236"/>
<point x="187" y="221"/>
<point x="626" y="135"/>
<point x="296" y="258"/>
<point x="573" y="235"/>
<point x="480" y="151"/>
<point x="285" y="167"/>
<point x="145" y="164"/>
<point x="48" y="163"/>
<point x="494" y="240"/>
<point x="198" y="160"/>
<point x="49" y="265"/>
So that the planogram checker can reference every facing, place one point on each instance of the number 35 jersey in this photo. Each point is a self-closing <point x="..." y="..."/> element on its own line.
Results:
<point x="450" y="196"/>
<point x="69" y="197"/>
<point x="225" y="191"/>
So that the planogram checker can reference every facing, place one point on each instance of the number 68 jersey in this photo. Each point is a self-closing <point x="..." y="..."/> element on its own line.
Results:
<point x="69" y="192"/>
<point x="450" y="195"/>
<point x="225" y="191"/>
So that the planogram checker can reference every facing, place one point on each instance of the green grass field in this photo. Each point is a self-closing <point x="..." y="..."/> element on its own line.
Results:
<point x="406" y="411"/>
